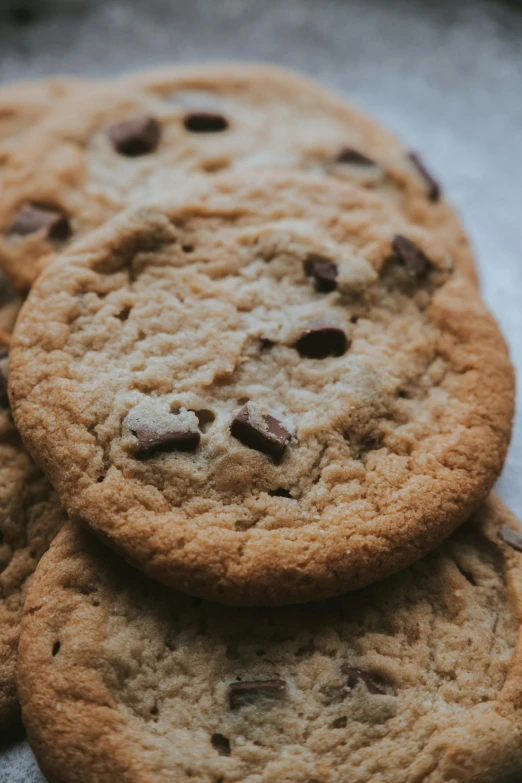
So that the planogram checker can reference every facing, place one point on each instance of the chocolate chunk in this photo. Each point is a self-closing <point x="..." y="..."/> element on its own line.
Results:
<point x="221" y="744"/>
<point x="205" y="122"/>
<point x="354" y="676"/>
<point x="268" y="435"/>
<point x="349" y="155"/>
<point x="32" y="218"/>
<point x="414" y="259"/>
<point x="322" y="340"/>
<point x="4" y="353"/>
<point x="177" y="440"/>
<point x="135" y="136"/>
<point x="511" y="537"/>
<point x="323" y="271"/>
<point x="434" y="189"/>
<point x="242" y="693"/>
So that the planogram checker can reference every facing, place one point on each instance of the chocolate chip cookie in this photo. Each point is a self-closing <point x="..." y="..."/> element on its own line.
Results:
<point x="272" y="391"/>
<point x="418" y="678"/>
<point x="30" y="516"/>
<point x="111" y="144"/>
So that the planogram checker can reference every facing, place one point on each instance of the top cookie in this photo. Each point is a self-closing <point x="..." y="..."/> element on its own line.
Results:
<point x="272" y="392"/>
<point x="113" y="143"/>
<point x="418" y="678"/>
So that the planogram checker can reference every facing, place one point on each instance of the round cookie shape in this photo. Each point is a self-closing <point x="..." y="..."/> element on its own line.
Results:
<point x="30" y="517"/>
<point x="416" y="678"/>
<point x="236" y="431"/>
<point x="112" y="143"/>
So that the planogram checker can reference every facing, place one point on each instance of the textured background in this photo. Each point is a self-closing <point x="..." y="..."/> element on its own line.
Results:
<point x="446" y="75"/>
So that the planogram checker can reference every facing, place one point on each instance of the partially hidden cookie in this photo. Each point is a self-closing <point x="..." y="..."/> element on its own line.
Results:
<point x="418" y="678"/>
<point x="110" y="144"/>
<point x="30" y="516"/>
<point x="272" y="391"/>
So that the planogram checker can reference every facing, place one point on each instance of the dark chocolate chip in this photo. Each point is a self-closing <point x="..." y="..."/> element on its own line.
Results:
<point x="323" y="271"/>
<point x="322" y="340"/>
<point x="349" y="155"/>
<point x="414" y="259"/>
<point x="177" y="440"/>
<point x="271" y="439"/>
<point x="511" y="537"/>
<point x="434" y="189"/>
<point x="135" y="136"/>
<point x="221" y="744"/>
<point x="205" y="122"/>
<point x="355" y="676"/>
<point x="33" y="218"/>
<point x="4" y="353"/>
<point x="242" y="693"/>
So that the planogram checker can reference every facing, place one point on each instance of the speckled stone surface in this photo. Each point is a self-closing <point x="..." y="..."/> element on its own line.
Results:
<point x="445" y="75"/>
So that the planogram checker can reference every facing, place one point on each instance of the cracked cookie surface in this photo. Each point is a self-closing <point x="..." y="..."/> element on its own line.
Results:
<point x="239" y="432"/>
<point x="113" y="143"/>
<point x="30" y="516"/>
<point x="418" y="678"/>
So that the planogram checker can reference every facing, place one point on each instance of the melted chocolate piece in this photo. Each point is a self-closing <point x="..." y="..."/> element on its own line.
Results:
<point x="242" y="693"/>
<point x="205" y="122"/>
<point x="177" y="440"/>
<point x="271" y="439"/>
<point x="511" y="537"/>
<point x="135" y="136"/>
<point x="323" y="271"/>
<point x="33" y="218"/>
<point x="415" y="261"/>
<point x="350" y="155"/>
<point x="434" y="189"/>
<point x="322" y="340"/>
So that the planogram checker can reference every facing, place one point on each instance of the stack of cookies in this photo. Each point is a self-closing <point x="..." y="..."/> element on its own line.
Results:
<point x="255" y="411"/>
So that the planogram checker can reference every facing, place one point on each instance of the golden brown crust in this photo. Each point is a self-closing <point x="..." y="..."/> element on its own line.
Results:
<point x="395" y="442"/>
<point x="277" y="119"/>
<point x="416" y="678"/>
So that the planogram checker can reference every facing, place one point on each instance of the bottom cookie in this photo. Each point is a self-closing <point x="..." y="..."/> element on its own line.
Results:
<point x="418" y="678"/>
<point x="30" y="517"/>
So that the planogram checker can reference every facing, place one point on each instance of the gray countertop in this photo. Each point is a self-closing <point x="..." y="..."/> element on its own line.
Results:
<point x="445" y="75"/>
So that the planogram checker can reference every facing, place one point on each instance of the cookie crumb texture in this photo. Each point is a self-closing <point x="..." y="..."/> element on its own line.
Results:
<point x="236" y="432"/>
<point x="113" y="143"/>
<point x="30" y="517"/>
<point x="415" y="679"/>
